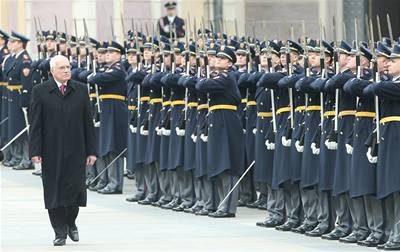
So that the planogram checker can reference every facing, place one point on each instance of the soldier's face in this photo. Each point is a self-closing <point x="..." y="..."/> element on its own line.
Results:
<point x="15" y="46"/>
<point x="171" y="12"/>
<point x="192" y="60"/>
<point x="132" y="58"/>
<point x="283" y="59"/>
<point x="101" y="58"/>
<point x="167" y="59"/>
<point x="63" y="47"/>
<point x="241" y="59"/>
<point x="212" y="60"/>
<point x="314" y="58"/>
<point x="383" y="64"/>
<point x="223" y="63"/>
<point x="351" y="63"/>
<point x="147" y="54"/>
<point x="112" y="57"/>
<point x="2" y="42"/>
<point x="343" y="59"/>
<point x="51" y="45"/>
<point x="179" y="59"/>
<point x="62" y="70"/>
<point x="394" y="67"/>
<point x="264" y="59"/>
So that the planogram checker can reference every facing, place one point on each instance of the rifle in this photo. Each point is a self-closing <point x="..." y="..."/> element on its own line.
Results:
<point x="376" y="76"/>
<point x="57" y="37"/>
<point x="390" y="28"/>
<point x="123" y="32"/>
<point x="39" y="39"/>
<point x="378" y="22"/>
<point x="78" y="54"/>
<point x="68" y="38"/>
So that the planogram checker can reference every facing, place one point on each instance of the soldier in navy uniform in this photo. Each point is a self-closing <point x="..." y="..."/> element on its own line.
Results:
<point x="283" y="192"/>
<point x="4" y="53"/>
<point x="388" y="188"/>
<point x="163" y="175"/>
<point x="181" y="177"/>
<point x="19" y="86"/>
<point x="225" y="160"/>
<point x="262" y="174"/>
<point x="342" y="159"/>
<point x="373" y="206"/>
<point x="326" y="157"/>
<point x="171" y="23"/>
<point x="113" y="126"/>
<point x="152" y="118"/>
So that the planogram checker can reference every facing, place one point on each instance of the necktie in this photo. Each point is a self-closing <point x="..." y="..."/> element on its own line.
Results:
<point x="62" y="88"/>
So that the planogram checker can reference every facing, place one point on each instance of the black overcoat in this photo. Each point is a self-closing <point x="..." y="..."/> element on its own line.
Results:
<point x="62" y="133"/>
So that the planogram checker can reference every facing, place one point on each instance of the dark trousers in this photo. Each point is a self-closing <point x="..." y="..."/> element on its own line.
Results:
<point x="63" y="218"/>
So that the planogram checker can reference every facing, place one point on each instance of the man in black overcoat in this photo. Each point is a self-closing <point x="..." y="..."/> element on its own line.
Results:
<point x="62" y="140"/>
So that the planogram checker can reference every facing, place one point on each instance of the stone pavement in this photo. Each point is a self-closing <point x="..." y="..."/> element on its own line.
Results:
<point x="110" y="223"/>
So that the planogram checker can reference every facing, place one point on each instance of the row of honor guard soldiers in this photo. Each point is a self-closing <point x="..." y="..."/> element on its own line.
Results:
<point x="305" y="119"/>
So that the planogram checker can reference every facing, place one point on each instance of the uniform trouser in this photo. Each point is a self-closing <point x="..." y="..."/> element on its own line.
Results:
<point x="309" y="199"/>
<point x="7" y="154"/>
<point x="198" y="194"/>
<point x="62" y="218"/>
<point x="115" y="172"/>
<point x="25" y="160"/>
<point x="325" y="211"/>
<point x="262" y="188"/>
<point x="224" y="183"/>
<point x="292" y="201"/>
<point x="208" y="193"/>
<point x="186" y="188"/>
<point x="343" y="220"/>
<point x="392" y="205"/>
<point x="374" y="214"/>
<point x="90" y="173"/>
<point x="140" y="182"/>
<point x="247" y="192"/>
<point x="100" y="166"/>
<point x="275" y="204"/>
<point x="357" y="212"/>
<point x="165" y="185"/>
<point x="16" y="152"/>
<point x="150" y="176"/>
<point x="173" y="177"/>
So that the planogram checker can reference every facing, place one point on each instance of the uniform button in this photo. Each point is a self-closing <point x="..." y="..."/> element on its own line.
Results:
<point x="261" y="131"/>
<point x="309" y="99"/>
<point x="261" y="103"/>
<point x="341" y="132"/>
<point x="356" y="135"/>
<point x="211" y="125"/>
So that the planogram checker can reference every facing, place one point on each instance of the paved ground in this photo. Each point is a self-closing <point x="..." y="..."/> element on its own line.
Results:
<point x="109" y="223"/>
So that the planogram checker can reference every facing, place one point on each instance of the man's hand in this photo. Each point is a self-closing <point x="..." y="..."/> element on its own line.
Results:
<point x="37" y="159"/>
<point x="90" y="160"/>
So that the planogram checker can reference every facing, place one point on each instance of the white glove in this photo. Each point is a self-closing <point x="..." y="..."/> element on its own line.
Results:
<point x="132" y="128"/>
<point x="96" y="124"/>
<point x="254" y="131"/>
<point x="165" y="132"/>
<point x="330" y="145"/>
<point x="286" y="142"/>
<point x="270" y="145"/>
<point x="194" y="138"/>
<point x="90" y="75"/>
<point x="204" y="138"/>
<point x="143" y="132"/>
<point x="314" y="149"/>
<point x="349" y="149"/>
<point x="180" y="132"/>
<point x="371" y="159"/>
<point x="299" y="148"/>
<point x="158" y="130"/>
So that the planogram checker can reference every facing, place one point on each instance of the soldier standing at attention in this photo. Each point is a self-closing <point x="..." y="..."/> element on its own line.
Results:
<point x="225" y="160"/>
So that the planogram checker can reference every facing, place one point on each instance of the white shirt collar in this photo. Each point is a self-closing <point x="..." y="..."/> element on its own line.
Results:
<point x="18" y="54"/>
<point x="59" y="83"/>
<point x="171" y="19"/>
<point x="396" y="78"/>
